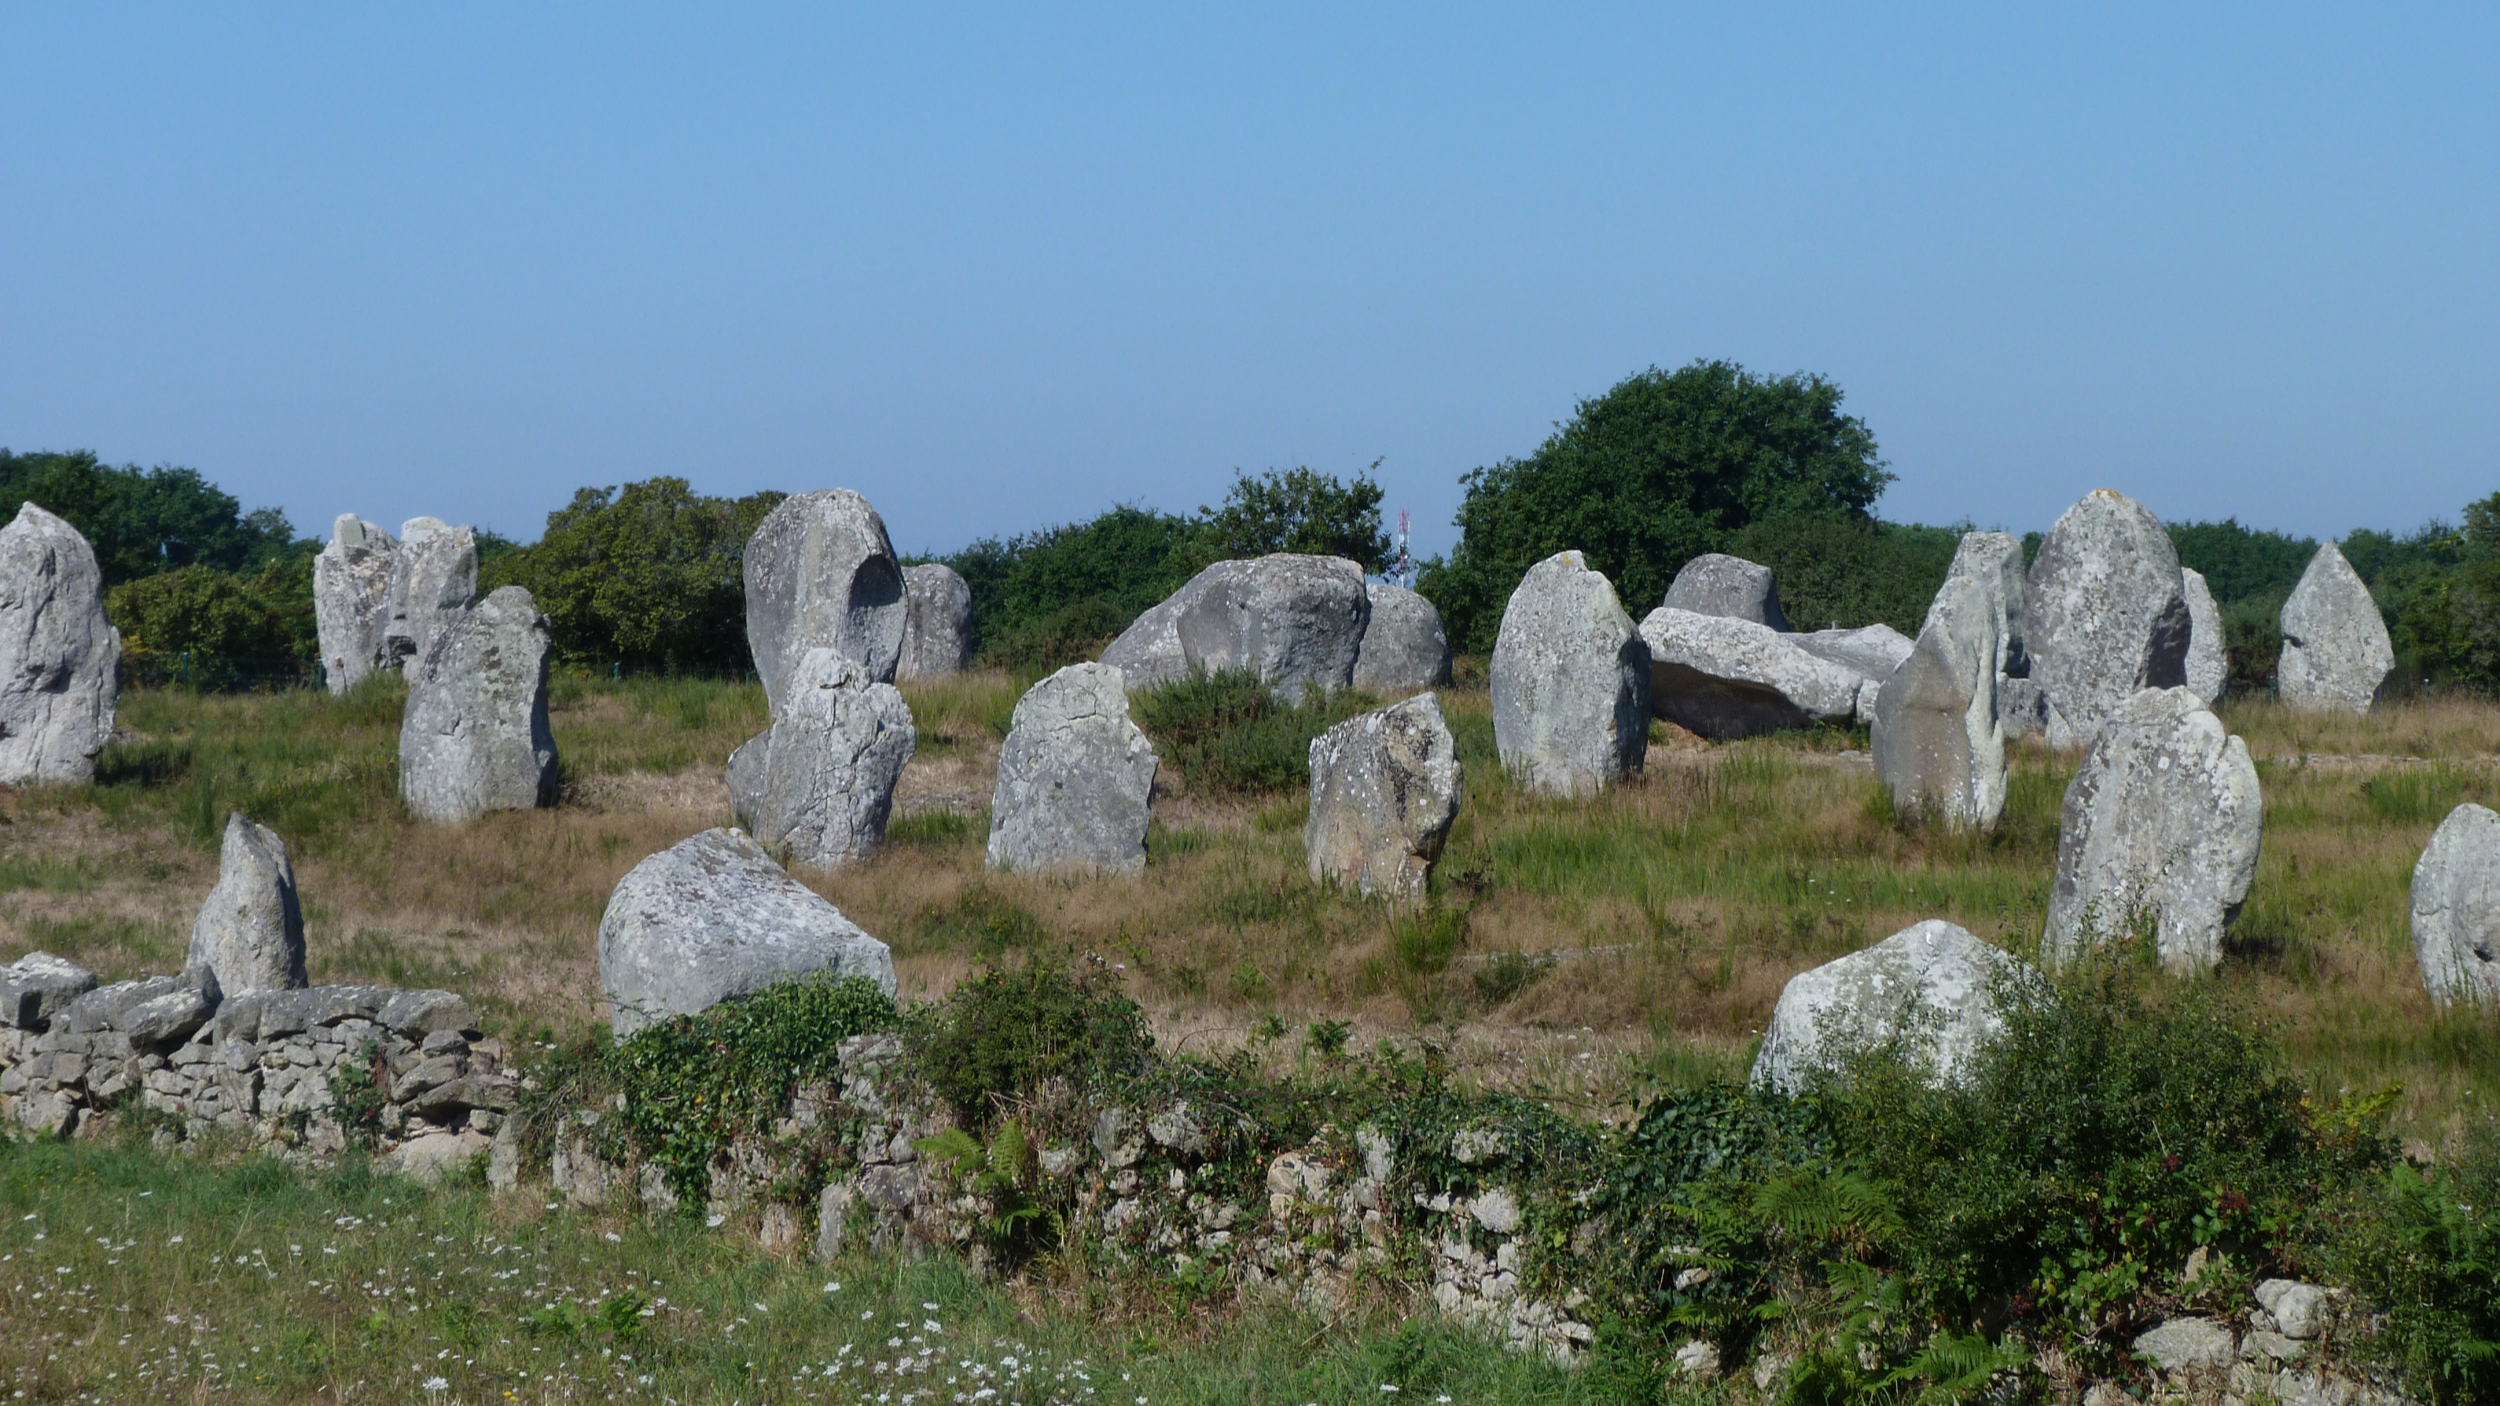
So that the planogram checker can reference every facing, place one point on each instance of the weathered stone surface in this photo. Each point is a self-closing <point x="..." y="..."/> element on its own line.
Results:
<point x="1148" y="653"/>
<point x="1384" y="789"/>
<point x="157" y="1011"/>
<point x="433" y="579"/>
<point x="1726" y="678"/>
<point x="2160" y="830"/>
<point x="1295" y="621"/>
<point x="1938" y="744"/>
<point x="1571" y="681"/>
<point x="1405" y="650"/>
<point x="1715" y="583"/>
<point x="2107" y="616"/>
<point x="2336" y="654"/>
<point x="250" y="932"/>
<point x="2185" y="1344"/>
<point x="1931" y="986"/>
<point x="351" y="600"/>
<point x="2299" y="1309"/>
<point x="1995" y="561"/>
<point x="59" y="657"/>
<point x="1074" y="777"/>
<point x="2456" y="908"/>
<point x="2208" y="665"/>
<point x="937" y="623"/>
<point x="422" y="1014"/>
<point x="474" y="737"/>
<point x="2021" y="708"/>
<point x="1873" y="651"/>
<point x="428" y="1158"/>
<point x="712" y="917"/>
<point x="821" y="574"/>
<point x="824" y="782"/>
<point x="39" y="986"/>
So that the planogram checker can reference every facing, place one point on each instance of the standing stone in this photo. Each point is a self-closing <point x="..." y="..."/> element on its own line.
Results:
<point x="1384" y="790"/>
<point x="1073" y="778"/>
<point x="712" y="917"/>
<point x="937" y="623"/>
<point x="1570" y="682"/>
<point x="351" y="600"/>
<point x="1405" y="650"/>
<point x="1932" y="986"/>
<point x="1715" y="583"/>
<point x="60" y="658"/>
<point x="824" y="784"/>
<point x="475" y="737"/>
<point x="2107" y="614"/>
<point x="1295" y="621"/>
<point x="1938" y="744"/>
<point x="2159" y="832"/>
<point x="250" y="932"/>
<point x="2336" y="654"/>
<point x="2208" y="665"/>
<point x="1995" y="561"/>
<point x="2456" y="909"/>
<point x="433" y="579"/>
<point x="821" y="574"/>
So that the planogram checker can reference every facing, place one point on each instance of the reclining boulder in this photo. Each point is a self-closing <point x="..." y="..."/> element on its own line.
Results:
<point x="1715" y="583"/>
<point x="1725" y="678"/>
<point x="1932" y="986"/>
<point x="1295" y="621"/>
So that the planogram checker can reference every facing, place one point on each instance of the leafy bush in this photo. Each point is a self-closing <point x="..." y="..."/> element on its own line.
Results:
<point x="2422" y="1245"/>
<point x="1002" y="1035"/>
<point x="1846" y="570"/>
<point x="203" y="625"/>
<point x="1228" y="731"/>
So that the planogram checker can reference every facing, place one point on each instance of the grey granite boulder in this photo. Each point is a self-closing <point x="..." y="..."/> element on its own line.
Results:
<point x="1932" y="987"/>
<point x="2158" y="835"/>
<point x="821" y="574"/>
<point x="712" y="917"/>
<point x="1995" y="561"/>
<point x="2021" y="708"/>
<point x="1405" y="650"/>
<point x="250" y="932"/>
<point x="1295" y="621"/>
<point x="1938" y="743"/>
<point x="937" y="623"/>
<point x="1871" y="651"/>
<point x="1725" y="678"/>
<point x="352" y="600"/>
<point x="1715" y="583"/>
<point x="2208" y="664"/>
<point x="60" y="658"/>
<point x="474" y="737"/>
<point x="160" y="1010"/>
<point x="2107" y="616"/>
<point x="2456" y="909"/>
<point x="1385" y="788"/>
<point x="39" y="986"/>
<point x="1570" y="682"/>
<point x="1074" y="777"/>
<point x="2336" y="654"/>
<point x="824" y="784"/>
<point x="2187" y="1345"/>
<point x="433" y="578"/>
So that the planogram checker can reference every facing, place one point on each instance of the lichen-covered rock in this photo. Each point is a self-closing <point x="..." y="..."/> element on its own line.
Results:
<point x="2208" y="663"/>
<point x="250" y="932"/>
<point x="2456" y="909"/>
<point x="60" y="658"/>
<point x="823" y="785"/>
<point x="1938" y="744"/>
<point x="433" y="579"/>
<point x="1570" y="682"/>
<point x="2107" y="614"/>
<point x="1931" y="986"/>
<point x="352" y="600"/>
<point x="1405" y="650"/>
<point x="160" y="1010"/>
<point x="1074" y="777"/>
<point x="937" y="623"/>
<point x="1148" y="653"/>
<point x="2021" y="708"/>
<point x="1724" y="678"/>
<point x="1384" y="789"/>
<point x="1995" y="561"/>
<point x="1295" y="621"/>
<point x="821" y="574"/>
<point x="2187" y="1344"/>
<point x="1715" y="583"/>
<point x="474" y="737"/>
<point x="1871" y="651"/>
<point x="2336" y="654"/>
<point x="712" y="917"/>
<point x="39" y="986"/>
<point x="2159" y="831"/>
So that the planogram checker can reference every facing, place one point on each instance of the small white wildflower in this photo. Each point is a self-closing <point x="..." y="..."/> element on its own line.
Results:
<point x="833" y="1286"/>
<point x="437" y="1384"/>
<point x="615" y="1239"/>
<point x="714" y="1220"/>
<point x="175" y="1241"/>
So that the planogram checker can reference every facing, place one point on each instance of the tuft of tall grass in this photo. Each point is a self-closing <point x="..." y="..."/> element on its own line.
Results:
<point x="1228" y="732"/>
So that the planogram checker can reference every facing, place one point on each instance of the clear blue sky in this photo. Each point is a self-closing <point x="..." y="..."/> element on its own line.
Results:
<point x="1002" y="268"/>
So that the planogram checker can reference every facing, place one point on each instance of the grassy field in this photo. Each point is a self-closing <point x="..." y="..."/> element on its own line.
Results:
<point x="1584" y="951"/>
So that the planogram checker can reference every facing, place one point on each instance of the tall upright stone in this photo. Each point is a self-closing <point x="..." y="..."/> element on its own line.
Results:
<point x="1570" y="681"/>
<point x="1384" y="791"/>
<point x="1995" y="561"/>
<point x="1938" y="744"/>
<point x="352" y="600"/>
<point x="822" y="785"/>
<point x="2208" y="662"/>
<point x="2158" y="835"/>
<point x="1715" y="583"/>
<point x="821" y="574"/>
<point x="2336" y="654"/>
<point x="250" y="932"/>
<point x="60" y="658"/>
<point x="1405" y="649"/>
<point x="937" y="623"/>
<point x="474" y="737"/>
<point x="2107" y="616"/>
<point x="1296" y="621"/>
<point x="433" y="579"/>
<point x="1074" y="777"/>
<point x="2456" y="909"/>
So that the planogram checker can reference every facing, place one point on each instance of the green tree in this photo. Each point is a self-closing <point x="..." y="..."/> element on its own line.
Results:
<point x="1661" y="468"/>
<point x="213" y="626"/>
<point x="142" y="521"/>
<point x="1301" y="510"/>
<point x="1052" y="597"/>
<point x="1848" y="570"/>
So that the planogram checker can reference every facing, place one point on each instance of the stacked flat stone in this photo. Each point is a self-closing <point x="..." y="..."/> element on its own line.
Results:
<point x="250" y="932"/>
<point x="1570" y="682"/>
<point x="352" y="601"/>
<point x="474" y="737"/>
<point x="1405" y="650"/>
<point x="821" y="574"/>
<point x="1724" y="678"/>
<point x="2336" y="654"/>
<point x="2208" y="665"/>
<point x="1385" y="789"/>
<point x="39" y="986"/>
<point x="1715" y="583"/>
<point x="1074" y="777"/>
<point x="2107" y="614"/>
<point x="1933" y="986"/>
<point x="433" y="579"/>
<point x="819" y="784"/>
<point x="1939" y="745"/>
<point x="60" y="658"/>
<point x="2456" y="909"/>
<point x="937" y="623"/>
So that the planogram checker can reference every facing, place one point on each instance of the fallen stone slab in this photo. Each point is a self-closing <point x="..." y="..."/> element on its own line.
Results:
<point x="39" y="986"/>
<point x="1725" y="678"/>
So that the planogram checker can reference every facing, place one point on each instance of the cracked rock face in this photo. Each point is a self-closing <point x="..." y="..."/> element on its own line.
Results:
<point x="1385" y="788"/>
<point x="1074" y="777"/>
<point x="1715" y="583"/>
<point x="250" y="932"/>
<point x="2107" y="615"/>
<point x="474" y="737"/>
<point x="1405" y="649"/>
<point x="352" y="601"/>
<point x="433" y="579"/>
<point x="1931" y="986"/>
<point x="821" y="574"/>
<point x="1938" y="744"/>
<point x="1571" y="680"/>
<point x="820" y="783"/>
<point x="2456" y="909"/>
<point x="60" y="658"/>
<point x="2208" y="664"/>
<point x="2159" y="834"/>
<point x="937" y="623"/>
<point x="2336" y="654"/>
